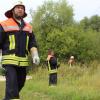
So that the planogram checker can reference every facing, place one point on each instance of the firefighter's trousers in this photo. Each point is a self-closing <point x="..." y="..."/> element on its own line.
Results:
<point x="53" y="79"/>
<point x="15" y="79"/>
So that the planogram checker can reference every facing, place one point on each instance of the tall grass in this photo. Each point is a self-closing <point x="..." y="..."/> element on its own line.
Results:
<point x="76" y="83"/>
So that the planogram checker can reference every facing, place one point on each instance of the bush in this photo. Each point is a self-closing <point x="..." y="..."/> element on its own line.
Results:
<point x="2" y="71"/>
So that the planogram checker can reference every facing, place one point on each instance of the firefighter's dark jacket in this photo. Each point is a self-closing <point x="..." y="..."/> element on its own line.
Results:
<point x="52" y="65"/>
<point x="16" y="41"/>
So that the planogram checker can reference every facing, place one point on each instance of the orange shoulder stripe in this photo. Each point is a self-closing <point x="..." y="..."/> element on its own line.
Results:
<point x="11" y="25"/>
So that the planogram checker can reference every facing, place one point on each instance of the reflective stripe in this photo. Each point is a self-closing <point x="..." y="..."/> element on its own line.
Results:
<point x="15" y="57"/>
<point x="10" y="62"/>
<point x="12" y="59"/>
<point x="11" y="25"/>
<point x="51" y="70"/>
<point x="12" y="42"/>
<point x="27" y="40"/>
<point x="10" y="28"/>
<point x="24" y="63"/>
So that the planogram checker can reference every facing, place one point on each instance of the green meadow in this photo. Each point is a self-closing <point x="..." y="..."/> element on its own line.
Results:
<point x="75" y="83"/>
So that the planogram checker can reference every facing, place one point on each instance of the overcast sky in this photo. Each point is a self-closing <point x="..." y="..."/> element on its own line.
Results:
<point x="81" y="8"/>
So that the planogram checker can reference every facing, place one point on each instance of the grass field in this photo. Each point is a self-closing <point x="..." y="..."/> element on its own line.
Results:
<point x="76" y="83"/>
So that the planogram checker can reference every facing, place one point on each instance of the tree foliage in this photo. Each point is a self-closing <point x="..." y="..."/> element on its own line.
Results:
<point x="93" y="23"/>
<point x="55" y="28"/>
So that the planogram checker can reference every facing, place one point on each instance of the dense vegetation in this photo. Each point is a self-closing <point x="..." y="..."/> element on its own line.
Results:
<point x="56" y="28"/>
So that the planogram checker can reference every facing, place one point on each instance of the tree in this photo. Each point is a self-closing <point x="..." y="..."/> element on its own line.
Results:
<point x="49" y="21"/>
<point x="93" y="23"/>
<point x="56" y="29"/>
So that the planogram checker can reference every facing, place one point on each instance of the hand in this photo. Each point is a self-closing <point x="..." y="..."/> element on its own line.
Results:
<point x="35" y="56"/>
<point x="36" y="60"/>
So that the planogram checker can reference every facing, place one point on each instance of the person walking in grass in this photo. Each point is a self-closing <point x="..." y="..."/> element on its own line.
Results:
<point x="52" y="68"/>
<point x="16" y="40"/>
<point x="71" y="61"/>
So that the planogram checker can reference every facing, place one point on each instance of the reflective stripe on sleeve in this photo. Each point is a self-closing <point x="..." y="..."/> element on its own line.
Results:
<point x="27" y="42"/>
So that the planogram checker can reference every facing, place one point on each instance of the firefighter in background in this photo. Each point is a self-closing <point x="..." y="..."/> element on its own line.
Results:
<point x="71" y="61"/>
<point x="16" y="40"/>
<point x="52" y="68"/>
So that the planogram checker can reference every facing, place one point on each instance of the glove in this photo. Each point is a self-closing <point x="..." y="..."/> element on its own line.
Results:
<point x="35" y="57"/>
<point x="36" y="60"/>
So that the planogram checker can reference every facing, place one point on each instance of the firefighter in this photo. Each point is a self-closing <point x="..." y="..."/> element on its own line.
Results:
<point x="71" y="61"/>
<point x="16" y="40"/>
<point x="52" y="68"/>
